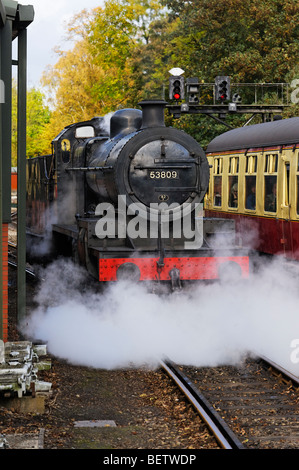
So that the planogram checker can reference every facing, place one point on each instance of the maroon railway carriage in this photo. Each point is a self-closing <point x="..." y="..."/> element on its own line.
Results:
<point x="255" y="181"/>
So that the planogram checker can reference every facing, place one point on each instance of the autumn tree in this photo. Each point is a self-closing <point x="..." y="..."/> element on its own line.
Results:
<point x="38" y="117"/>
<point x="98" y="73"/>
<point x="117" y="35"/>
<point x="70" y="80"/>
<point x="250" y="40"/>
<point x="123" y="50"/>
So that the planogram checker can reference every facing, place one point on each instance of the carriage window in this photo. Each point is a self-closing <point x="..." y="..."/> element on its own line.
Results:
<point x="217" y="175"/>
<point x="286" y="192"/>
<point x="250" y="182"/>
<point x="271" y="182"/>
<point x="233" y="191"/>
<point x="234" y="165"/>
<point x="270" y="193"/>
<point x="250" y="200"/>
<point x="271" y="163"/>
<point x="233" y="181"/>
<point x="297" y="194"/>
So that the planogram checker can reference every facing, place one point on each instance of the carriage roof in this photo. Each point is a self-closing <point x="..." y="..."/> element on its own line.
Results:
<point x="268" y="134"/>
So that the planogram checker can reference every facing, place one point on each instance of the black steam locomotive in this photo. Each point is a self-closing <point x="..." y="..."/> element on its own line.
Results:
<point x="127" y="204"/>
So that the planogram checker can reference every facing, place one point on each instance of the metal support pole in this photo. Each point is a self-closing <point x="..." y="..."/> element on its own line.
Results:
<point x="5" y="144"/>
<point x="6" y="70"/>
<point x="21" y="237"/>
<point x="1" y="261"/>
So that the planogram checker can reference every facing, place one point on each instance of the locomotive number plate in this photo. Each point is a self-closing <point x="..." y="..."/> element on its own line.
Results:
<point x="163" y="174"/>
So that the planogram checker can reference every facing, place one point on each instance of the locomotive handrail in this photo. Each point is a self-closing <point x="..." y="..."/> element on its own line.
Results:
<point x="177" y="188"/>
<point x="171" y="167"/>
<point x="94" y="168"/>
<point x="46" y="170"/>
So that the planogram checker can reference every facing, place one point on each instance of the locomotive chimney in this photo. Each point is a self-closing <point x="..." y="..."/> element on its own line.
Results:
<point x="152" y="113"/>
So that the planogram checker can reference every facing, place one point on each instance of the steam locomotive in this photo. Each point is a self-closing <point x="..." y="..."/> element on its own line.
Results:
<point x="127" y="203"/>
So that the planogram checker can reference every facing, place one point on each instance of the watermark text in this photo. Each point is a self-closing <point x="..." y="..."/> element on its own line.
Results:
<point x="295" y="353"/>
<point x="160" y="220"/>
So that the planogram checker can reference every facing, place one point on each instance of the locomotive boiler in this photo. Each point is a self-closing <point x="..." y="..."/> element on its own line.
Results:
<point x="127" y="203"/>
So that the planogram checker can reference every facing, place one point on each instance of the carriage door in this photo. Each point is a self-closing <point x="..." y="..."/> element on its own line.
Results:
<point x="286" y="235"/>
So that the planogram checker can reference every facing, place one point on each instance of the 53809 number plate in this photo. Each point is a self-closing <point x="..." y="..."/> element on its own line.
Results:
<point x="163" y="174"/>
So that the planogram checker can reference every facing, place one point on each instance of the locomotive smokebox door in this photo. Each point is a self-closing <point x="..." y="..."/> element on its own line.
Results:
<point x="162" y="171"/>
<point x="162" y="168"/>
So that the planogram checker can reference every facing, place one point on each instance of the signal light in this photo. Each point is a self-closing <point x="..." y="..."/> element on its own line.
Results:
<point x="176" y="88"/>
<point x="236" y="98"/>
<point x="222" y="88"/>
<point x="176" y="92"/>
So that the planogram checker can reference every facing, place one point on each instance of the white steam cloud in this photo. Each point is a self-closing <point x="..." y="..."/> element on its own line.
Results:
<point x="220" y="323"/>
<point x="106" y="122"/>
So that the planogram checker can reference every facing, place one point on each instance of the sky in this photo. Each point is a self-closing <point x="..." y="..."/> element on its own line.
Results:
<point x="48" y="30"/>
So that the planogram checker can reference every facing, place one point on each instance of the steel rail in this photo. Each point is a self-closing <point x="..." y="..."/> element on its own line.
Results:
<point x="30" y="273"/>
<point x="14" y="264"/>
<point x="283" y="372"/>
<point x="223" y="434"/>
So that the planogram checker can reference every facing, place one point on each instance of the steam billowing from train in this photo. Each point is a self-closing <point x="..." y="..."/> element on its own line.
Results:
<point x="218" y="323"/>
<point x="214" y="324"/>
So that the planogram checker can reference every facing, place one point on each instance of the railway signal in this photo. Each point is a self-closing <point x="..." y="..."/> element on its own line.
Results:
<point x="176" y="88"/>
<point x="192" y="85"/>
<point x="236" y="98"/>
<point x="225" y="100"/>
<point x="222" y="88"/>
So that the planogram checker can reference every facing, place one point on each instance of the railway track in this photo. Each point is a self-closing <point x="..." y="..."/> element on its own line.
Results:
<point x="12" y="261"/>
<point x="253" y="406"/>
<point x="223" y="434"/>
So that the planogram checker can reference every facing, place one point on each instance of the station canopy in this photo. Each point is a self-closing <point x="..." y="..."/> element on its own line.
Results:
<point x="20" y="15"/>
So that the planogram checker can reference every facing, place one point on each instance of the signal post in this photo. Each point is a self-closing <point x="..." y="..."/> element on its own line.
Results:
<point x="224" y="101"/>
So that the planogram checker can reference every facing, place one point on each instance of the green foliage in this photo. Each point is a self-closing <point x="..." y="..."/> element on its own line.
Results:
<point x="38" y="116"/>
<point x="250" y="40"/>
<point x="116" y="36"/>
